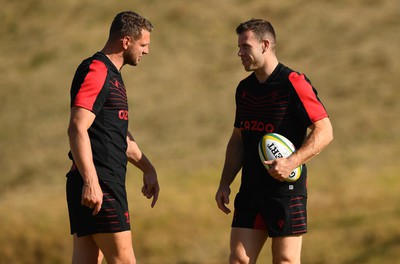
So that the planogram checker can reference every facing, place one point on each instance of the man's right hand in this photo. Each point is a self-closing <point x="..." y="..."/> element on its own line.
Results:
<point x="92" y="196"/>
<point x="222" y="198"/>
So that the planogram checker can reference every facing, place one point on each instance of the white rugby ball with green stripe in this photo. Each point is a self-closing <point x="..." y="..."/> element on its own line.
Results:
<point x="273" y="146"/>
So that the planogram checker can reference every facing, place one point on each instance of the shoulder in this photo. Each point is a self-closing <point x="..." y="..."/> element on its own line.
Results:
<point x="98" y="62"/>
<point x="298" y="78"/>
<point x="293" y="76"/>
<point x="92" y="64"/>
<point x="96" y="71"/>
<point x="298" y="81"/>
<point x="283" y="72"/>
<point x="301" y="84"/>
<point x="90" y="77"/>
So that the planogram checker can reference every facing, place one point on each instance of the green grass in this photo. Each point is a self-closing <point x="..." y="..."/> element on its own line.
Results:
<point x="181" y="100"/>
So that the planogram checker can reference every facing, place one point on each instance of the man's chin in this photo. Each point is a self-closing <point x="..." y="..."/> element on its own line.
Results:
<point x="133" y="63"/>
<point x="247" y="68"/>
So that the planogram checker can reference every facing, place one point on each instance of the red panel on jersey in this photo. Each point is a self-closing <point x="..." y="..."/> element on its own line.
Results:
<point x="92" y="85"/>
<point x="313" y="106"/>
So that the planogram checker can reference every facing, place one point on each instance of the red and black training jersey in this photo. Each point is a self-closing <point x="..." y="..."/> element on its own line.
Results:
<point x="98" y="87"/>
<point x="286" y="103"/>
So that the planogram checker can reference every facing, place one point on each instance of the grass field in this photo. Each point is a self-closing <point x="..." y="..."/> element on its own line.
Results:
<point x="181" y="100"/>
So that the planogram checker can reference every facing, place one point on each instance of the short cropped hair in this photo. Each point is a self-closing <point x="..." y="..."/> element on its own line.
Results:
<point x="261" y="28"/>
<point x="129" y="23"/>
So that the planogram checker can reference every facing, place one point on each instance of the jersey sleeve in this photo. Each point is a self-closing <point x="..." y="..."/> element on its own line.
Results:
<point x="312" y="107"/>
<point x="90" y="89"/>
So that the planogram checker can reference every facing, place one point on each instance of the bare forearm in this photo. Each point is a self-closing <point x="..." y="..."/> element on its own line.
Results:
<point x="142" y="163"/>
<point x="82" y="154"/>
<point x="231" y="168"/>
<point x="233" y="164"/>
<point x="320" y="136"/>
<point x="136" y="156"/>
<point x="79" y="123"/>
<point x="233" y="160"/>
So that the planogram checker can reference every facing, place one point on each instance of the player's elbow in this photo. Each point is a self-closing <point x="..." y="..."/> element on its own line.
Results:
<point x="325" y="131"/>
<point x="75" y="131"/>
<point x="72" y="131"/>
<point x="329" y="133"/>
<point x="326" y="138"/>
<point x="132" y="157"/>
<point x="330" y="137"/>
<point x="133" y="153"/>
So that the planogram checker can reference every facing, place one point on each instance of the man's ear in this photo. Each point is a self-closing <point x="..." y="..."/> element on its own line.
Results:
<point x="126" y="41"/>
<point x="265" y="45"/>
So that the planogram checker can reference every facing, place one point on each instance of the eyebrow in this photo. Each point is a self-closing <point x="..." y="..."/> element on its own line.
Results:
<point x="244" y="44"/>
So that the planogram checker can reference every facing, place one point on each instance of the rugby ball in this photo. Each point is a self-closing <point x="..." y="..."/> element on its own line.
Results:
<point x="273" y="146"/>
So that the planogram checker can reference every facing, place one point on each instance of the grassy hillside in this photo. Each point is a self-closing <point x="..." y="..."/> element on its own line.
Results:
<point x="182" y="107"/>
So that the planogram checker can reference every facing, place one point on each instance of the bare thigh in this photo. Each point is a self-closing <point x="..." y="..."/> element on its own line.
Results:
<point x="116" y="247"/>
<point x="286" y="249"/>
<point x="246" y="244"/>
<point x="86" y="251"/>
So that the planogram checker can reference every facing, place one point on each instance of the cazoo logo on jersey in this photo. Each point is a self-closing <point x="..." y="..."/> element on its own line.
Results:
<point x="254" y="125"/>
<point x="123" y="114"/>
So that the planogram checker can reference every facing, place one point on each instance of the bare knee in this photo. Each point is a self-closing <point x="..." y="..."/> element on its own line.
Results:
<point x="121" y="256"/>
<point x="286" y="250"/>
<point x="116" y="247"/>
<point x="121" y="260"/>
<point x="241" y="256"/>
<point x="282" y="259"/>
<point x="235" y="258"/>
<point x="245" y="245"/>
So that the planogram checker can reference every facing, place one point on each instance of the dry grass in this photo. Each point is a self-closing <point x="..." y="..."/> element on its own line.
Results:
<point x="181" y="102"/>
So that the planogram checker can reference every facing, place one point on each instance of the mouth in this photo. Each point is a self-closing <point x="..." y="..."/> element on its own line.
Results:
<point x="244" y="61"/>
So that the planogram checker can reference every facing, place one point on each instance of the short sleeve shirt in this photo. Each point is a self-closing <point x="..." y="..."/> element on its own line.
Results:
<point x="98" y="87"/>
<point x="286" y="103"/>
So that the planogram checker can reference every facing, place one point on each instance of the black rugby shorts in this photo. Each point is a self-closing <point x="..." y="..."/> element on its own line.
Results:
<point x="113" y="216"/>
<point x="278" y="216"/>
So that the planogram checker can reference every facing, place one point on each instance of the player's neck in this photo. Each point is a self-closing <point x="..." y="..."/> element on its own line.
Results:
<point x="264" y="72"/>
<point x="115" y="56"/>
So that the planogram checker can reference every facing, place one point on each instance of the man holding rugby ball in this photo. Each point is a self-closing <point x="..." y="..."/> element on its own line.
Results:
<point x="272" y="99"/>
